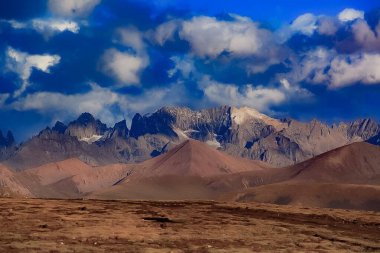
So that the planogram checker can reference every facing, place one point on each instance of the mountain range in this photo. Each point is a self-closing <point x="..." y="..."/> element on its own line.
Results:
<point x="224" y="153"/>
<point x="346" y="177"/>
<point x="240" y="132"/>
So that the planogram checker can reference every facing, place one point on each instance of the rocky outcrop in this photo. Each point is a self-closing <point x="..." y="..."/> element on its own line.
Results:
<point x="86" y="128"/>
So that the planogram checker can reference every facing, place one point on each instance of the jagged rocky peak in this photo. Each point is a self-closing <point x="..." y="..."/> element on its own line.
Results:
<point x="8" y="140"/>
<point x="59" y="127"/>
<point x="364" y="128"/>
<point x="159" y="122"/>
<point x="119" y="130"/>
<point x="87" y="128"/>
<point x="206" y="125"/>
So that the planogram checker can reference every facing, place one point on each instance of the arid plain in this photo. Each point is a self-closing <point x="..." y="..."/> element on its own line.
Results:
<point x="32" y="225"/>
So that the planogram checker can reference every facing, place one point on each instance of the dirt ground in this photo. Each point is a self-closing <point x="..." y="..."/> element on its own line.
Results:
<point x="32" y="225"/>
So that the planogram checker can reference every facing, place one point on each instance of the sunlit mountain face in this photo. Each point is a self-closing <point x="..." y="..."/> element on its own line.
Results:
<point x="296" y="59"/>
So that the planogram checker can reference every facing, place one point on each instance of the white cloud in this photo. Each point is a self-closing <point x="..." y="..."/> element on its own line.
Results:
<point x="323" y="66"/>
<point x="311" y="66"/>
<point x="133" y="38"/>
<point x="165" y="31"/>
<point x="103" y="103"/>
<point x="210" y="37"/>
<point x="47" y="27"/>
<point x="54" y="103"/>
<point x="23" y="64"/>
<point x="72" y="8"/>
<point x="365" y="36"/>
<point x="123" y="66"/>
<point x="258" y="97"/>
<point x="16" y="24"/>
<point x="53" y="26"/>
<point x="183" y="65"/>
<point x="327" y="25"/>
<point x="359" y="68"/>
<point x="305" y="24"/>
<point x="350" y="15"/>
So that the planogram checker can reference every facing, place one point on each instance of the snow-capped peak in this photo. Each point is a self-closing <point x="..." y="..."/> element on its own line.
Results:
<point x="244" y="114"/>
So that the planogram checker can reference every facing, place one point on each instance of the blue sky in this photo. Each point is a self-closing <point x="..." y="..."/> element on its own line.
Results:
<point x="287" y="58"/>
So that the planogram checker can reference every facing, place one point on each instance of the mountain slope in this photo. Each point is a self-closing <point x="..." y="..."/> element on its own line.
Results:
<point x="347" y="177"/>
<point x="10" y="186"/>
<point x="182" y="173"/>
<point x="194" y="158"/>
<point x="357" y="163"/>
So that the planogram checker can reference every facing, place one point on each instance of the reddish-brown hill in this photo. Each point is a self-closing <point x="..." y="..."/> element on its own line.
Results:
<point x="355" y="163"/>
<point x="182" y="173"/>
<point x="347" y="177"/>
<point x="195" y="158"/>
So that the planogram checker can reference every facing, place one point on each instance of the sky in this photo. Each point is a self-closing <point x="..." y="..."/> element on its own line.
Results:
<point x="114" y="58"/>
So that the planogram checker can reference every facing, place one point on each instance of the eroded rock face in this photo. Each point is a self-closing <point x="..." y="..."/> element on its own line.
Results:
<point x="238" y="131"/>
<point x="86" y="128"/>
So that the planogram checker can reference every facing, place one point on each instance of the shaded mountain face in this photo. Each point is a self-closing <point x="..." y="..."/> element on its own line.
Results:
<point x="240" y="132"/>
<point x="7" y="145"/>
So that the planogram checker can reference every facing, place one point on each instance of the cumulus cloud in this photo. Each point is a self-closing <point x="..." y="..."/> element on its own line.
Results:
<point x="210" y="37"/>
<point x="96" y="102"/>
<point x="258" y="97"/>
<point x="126" y="66"/>
<point x="99" y="101"/>
<point x="165" y="31"/>
<point x="365" y="37"/>
<point x="72" y="8"/>
<point x="23" y="64"/>
<point x="311" y="66"/>
<point x="350" y="14"/>
<point x="305" y="24"/>
<point x="351" y="69"/>
<point x="327" y="25"/>
<point x="324" y="66"/>
<point x="123" y="66"/>
<point x="133" y="38"/>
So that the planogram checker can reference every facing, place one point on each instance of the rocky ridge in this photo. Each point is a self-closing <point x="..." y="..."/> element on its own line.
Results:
<point x="241" y="132"/>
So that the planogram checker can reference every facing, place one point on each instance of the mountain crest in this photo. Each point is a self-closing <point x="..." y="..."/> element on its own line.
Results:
<point x="87" y="128"/>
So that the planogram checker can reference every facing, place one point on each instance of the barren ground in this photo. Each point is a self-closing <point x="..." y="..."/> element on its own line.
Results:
<point x="32" y="225"/>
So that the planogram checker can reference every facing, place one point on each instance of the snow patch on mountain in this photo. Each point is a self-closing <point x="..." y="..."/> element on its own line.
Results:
<point x="181" y="134"/>
<point x="245" y="114"/>
<point x="91" y="139"/>
<point x="214" y="143"/>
